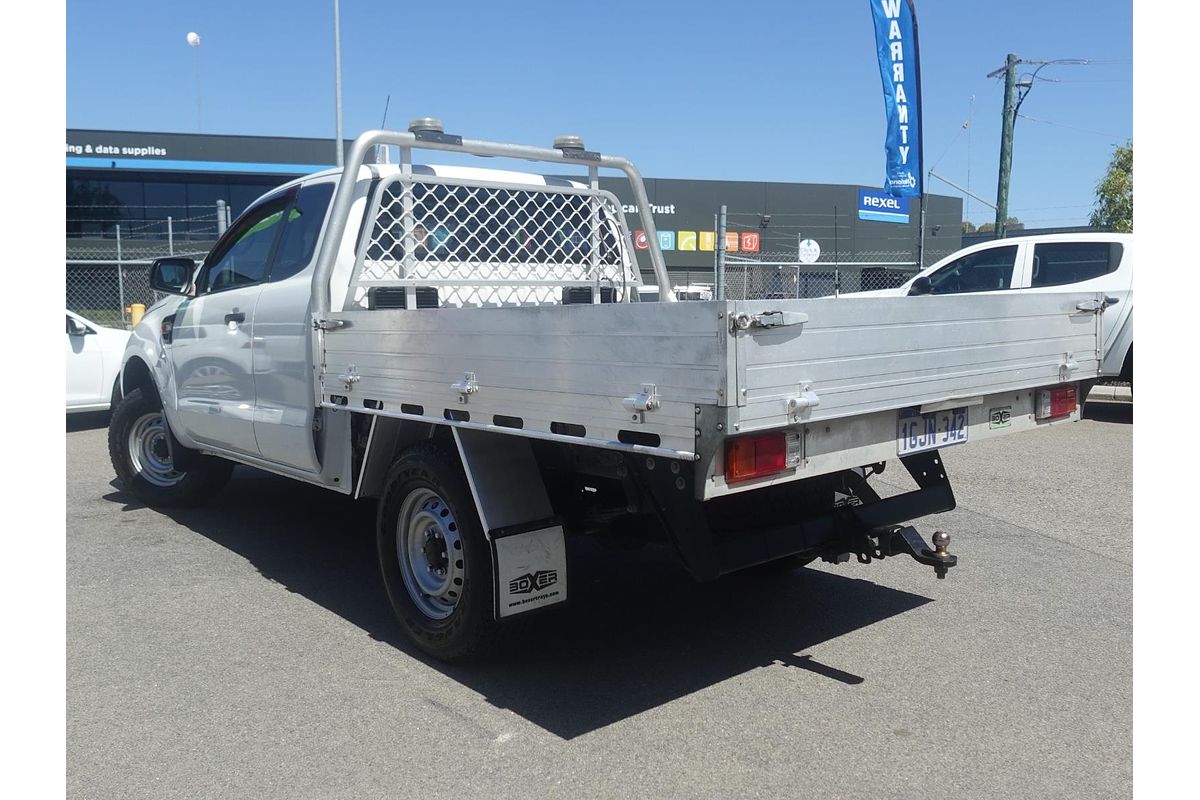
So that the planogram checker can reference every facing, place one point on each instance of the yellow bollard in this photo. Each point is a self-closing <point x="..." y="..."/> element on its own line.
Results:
<point x="136" y="312"/>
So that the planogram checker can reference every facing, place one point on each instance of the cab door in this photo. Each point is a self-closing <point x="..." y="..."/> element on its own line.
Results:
<point x="212" y="343"/>
<point x="283" y="336"/>
<point x="990" y="269"/>
<point x="1088" y="265"/>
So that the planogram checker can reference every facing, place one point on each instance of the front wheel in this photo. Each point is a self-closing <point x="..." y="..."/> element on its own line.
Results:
<point x="434" y="559"/>
<point x="141" y="457"/>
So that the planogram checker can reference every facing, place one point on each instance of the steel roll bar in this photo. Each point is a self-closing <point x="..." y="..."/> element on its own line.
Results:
<point x="344" y="196"/>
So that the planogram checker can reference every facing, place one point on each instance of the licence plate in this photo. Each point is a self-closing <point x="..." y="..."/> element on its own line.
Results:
<point x="917" y="432"/>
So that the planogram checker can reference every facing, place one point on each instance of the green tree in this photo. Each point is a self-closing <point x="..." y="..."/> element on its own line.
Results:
<point x="1013" y="224"/>
<point x="1114" y="193"/>
<point x="968" y="226"/>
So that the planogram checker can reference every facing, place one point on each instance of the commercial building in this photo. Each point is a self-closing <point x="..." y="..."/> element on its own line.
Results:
<point x="137" y="195"/>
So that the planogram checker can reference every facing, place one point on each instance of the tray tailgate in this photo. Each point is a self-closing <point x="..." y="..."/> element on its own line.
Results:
<point x="862" y="355"/>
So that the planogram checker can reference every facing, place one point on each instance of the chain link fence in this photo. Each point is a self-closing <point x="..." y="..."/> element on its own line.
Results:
<point x="776" y="275"/>
<point x="105" y="279"/>
<point x="765" y="262"/>
<point x="146" y="223"/>
<point x="110" y="249"/>
<point x="780" y="274"/>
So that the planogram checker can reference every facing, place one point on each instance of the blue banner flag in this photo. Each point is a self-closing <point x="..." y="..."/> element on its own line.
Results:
<point x="899" y="66"/>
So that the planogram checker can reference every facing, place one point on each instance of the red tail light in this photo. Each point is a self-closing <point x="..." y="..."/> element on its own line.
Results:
<point x="1057" y="402"/>
<point x="752" y="456"/>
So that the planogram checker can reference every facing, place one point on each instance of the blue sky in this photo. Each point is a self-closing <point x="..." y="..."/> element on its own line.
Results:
<point x="748" y="90"/>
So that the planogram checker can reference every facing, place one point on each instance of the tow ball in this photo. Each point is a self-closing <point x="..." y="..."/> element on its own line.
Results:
<point x="906" y="540"/>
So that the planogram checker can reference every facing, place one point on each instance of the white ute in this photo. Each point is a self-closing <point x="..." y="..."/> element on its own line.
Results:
<point x="1051" y="262"/>
<point x="467" y="348"/>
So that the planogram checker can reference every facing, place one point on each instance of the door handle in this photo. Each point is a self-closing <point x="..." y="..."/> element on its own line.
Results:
<point x="236" y="316"/>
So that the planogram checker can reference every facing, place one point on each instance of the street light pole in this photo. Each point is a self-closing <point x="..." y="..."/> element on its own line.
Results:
<point x="193" y="40"/>
<point x="337" y="77"/>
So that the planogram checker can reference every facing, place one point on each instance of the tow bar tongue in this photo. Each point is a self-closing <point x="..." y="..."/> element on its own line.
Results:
<point x="895" y="541"/>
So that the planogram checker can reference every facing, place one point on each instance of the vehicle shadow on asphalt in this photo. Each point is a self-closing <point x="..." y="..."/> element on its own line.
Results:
<point x="637" y="633"/>
<point x="1101" y="411"/>
<point x="87" y="421"/>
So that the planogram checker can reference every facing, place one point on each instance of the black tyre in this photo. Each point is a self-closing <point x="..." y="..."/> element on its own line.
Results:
<point x="434" y="558"/>
<point x="1127" y="366"/>
<point x="137" y="445"/>
<point x="115" y="400"/>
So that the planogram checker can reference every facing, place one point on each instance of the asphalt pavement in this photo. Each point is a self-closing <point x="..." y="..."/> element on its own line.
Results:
<point x="246" y="649"/>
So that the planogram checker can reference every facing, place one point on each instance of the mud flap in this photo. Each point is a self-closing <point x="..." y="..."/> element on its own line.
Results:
<point x="529" y="556"/>
<point x="531" y="567"/>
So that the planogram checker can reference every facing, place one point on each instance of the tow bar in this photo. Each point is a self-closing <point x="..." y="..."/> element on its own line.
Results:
<point x="899" y="540"/>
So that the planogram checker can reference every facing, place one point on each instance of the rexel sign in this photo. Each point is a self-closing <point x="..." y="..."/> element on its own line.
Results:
<point x="882" y="207"/>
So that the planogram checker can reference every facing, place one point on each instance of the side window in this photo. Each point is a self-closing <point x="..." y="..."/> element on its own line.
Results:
<point x="299" y="239"/>
<point x="1073" y="262"/>
<point x="985" y="271"/>
<point x="243" y="256"/>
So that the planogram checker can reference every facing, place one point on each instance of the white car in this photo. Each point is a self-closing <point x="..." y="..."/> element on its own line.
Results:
<point x="94" y="355"/>
<point x="1099" y="262"/>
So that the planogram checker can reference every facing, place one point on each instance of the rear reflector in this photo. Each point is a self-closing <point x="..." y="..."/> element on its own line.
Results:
<point x="1057" y="402"/>
<point x="753" y="456"/>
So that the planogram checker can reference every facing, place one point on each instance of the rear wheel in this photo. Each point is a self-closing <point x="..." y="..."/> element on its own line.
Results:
<point x="433" y="556"/>
<point x="141" y="456"/>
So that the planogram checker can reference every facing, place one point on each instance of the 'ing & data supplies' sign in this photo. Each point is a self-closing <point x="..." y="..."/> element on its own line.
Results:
<point x="882" y="207"/>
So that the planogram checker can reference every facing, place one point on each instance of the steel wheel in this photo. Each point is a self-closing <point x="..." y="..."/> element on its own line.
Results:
<point x="430" y="551"/>
<point x="149" y="452"/>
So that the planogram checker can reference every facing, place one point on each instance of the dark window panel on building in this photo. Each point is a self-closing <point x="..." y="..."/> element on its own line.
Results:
<point x="143" y="199"/>
<point x="243" y="193"/>
<point x="202" y="207"/>
<point x="88" y="205"/>
<point x="165" y="199"/>
<point x="96" y="206"/>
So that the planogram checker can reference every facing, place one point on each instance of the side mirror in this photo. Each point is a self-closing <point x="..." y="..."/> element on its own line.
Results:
<point x="172" y="275"/>
<point x="921" y="285"/>
<point x="77" y="328"/>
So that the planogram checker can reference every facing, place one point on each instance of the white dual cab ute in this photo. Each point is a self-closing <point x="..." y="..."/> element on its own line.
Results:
<point x="468" y="348"/>
<point x="1095" y="261"/>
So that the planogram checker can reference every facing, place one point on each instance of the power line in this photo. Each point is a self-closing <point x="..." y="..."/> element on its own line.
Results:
<point x="1085" y="80"/>
<point x="1072" y="127"/>
<point x="1015" y="92"/>
<point x="1052" y="208"/>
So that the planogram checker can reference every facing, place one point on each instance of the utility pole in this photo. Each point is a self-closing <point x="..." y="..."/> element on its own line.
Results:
<point x="1012" y="105"/>
<point x="1006" y="141"/>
